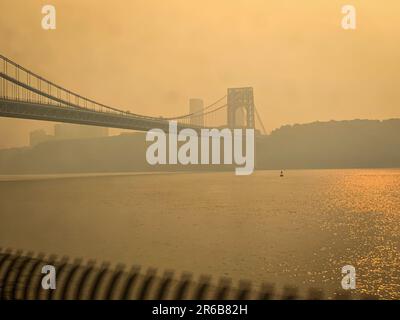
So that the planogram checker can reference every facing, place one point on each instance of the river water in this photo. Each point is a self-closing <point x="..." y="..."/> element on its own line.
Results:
<point x="297" y="230"/>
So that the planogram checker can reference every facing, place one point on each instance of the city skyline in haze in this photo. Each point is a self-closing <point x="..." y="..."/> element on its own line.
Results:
<point x="151" y="57"/>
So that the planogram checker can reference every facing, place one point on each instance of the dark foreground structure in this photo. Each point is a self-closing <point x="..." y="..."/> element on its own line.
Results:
<point x="21" y="277"/>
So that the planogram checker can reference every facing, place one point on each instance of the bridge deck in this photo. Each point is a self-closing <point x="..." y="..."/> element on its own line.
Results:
<point x="44" y="112"/>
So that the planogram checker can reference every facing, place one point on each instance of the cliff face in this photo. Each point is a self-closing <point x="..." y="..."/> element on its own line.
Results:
<point x="334" y="144"/>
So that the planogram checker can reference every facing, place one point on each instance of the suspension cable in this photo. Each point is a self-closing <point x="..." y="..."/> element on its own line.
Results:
<point x="200" y="111"/>
<point x="71" y="94"/>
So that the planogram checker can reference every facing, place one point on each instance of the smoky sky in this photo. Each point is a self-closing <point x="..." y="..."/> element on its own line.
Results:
<point x="151" y="57"/>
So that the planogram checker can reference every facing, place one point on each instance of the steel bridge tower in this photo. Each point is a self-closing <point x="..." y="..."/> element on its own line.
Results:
<point x="241" y="98"/>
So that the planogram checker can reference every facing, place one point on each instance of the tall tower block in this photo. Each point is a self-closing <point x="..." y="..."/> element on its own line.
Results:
<point x="196" y="106"/>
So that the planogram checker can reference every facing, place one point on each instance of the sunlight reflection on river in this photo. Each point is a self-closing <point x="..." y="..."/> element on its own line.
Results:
<point x="298" y="230"/>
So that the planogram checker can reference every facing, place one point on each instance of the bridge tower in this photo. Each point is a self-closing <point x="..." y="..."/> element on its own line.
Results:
<point x="241" y="101"/>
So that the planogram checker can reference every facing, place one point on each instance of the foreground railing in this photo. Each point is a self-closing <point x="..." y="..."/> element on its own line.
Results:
<point x="21" y="278"/>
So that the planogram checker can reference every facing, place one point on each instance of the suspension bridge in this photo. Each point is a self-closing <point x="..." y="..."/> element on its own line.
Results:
<point x="26" y="95"/>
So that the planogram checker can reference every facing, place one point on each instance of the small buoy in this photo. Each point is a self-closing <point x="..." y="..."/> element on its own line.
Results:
<point x="281" y="173"/>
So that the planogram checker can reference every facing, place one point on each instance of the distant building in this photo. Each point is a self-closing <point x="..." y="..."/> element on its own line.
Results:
<point x="39" y="136"/>
<point x="75" y="131"/>
<point x="66" y="131"/>
<point x="196" y="106"/>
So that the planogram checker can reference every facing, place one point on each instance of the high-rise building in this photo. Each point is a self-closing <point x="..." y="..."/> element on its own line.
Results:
<point x="196" y="106"/>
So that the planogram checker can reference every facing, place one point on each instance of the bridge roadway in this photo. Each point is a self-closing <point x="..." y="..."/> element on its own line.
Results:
<point x="46" y="112"/>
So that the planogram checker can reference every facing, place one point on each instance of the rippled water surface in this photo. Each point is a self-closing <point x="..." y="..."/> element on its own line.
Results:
<point x="298" y="230"/>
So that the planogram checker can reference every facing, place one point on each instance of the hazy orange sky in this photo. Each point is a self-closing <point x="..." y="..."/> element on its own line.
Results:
<point x="151" y="56"/>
